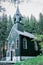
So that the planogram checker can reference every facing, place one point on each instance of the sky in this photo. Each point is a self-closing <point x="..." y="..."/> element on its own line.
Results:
<point x="32" y="7"/>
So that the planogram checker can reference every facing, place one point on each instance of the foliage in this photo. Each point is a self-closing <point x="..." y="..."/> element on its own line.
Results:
<point x="41" y="23"/>
<point x="39" y="39"/>
<point x="3" y="28"/>
<point x="4" y="31"/>
<point x="32" y="61"/>
<point x="32" y="25"/>
<point x="26" y="24"/>
<point x="9" y="25"/>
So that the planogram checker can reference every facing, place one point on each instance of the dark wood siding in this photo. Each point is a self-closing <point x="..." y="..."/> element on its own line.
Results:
<point x="30" y="51"/>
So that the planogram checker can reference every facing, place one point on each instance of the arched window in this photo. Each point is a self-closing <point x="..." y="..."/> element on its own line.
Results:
<point x="24" y="43"/>
<point x="12" y="45"/>
<point x="36" y="46"/>
<point x="17" y="43"/>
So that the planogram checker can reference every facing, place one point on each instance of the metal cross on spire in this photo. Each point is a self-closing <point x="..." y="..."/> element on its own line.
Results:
<point x="16" y="2"/>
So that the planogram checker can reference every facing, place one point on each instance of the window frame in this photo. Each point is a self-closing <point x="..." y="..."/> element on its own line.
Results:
<point x="24" y="43"/>
<point x="17" y="43"/>
<point x="13" y="45"/>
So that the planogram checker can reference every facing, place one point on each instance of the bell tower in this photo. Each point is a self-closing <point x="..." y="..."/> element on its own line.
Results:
<point x="18" y="20"/>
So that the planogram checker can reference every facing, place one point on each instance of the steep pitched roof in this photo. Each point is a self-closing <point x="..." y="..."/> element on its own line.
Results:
<point x="27" y="34"/>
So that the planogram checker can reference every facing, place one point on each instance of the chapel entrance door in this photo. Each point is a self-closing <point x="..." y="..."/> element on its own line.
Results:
<point x="12" y="54"/>
<point x="12" y="50"/>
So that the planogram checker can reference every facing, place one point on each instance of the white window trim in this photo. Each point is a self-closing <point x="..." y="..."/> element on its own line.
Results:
<point x="12" y="47"/>
<point x="24" y="40"/>
<point x="17" y="44"/>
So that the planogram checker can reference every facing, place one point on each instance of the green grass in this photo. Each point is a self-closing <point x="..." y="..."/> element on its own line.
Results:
<point x="33" y="61"/>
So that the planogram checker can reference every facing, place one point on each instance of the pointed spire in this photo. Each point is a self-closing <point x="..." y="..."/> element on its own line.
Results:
<point x="18" y="20"/>
<point x="17" y="11"/>
<point x="17" y="16"/>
